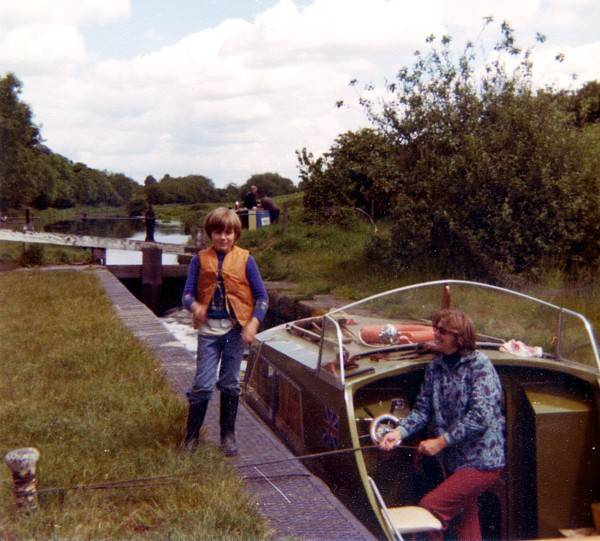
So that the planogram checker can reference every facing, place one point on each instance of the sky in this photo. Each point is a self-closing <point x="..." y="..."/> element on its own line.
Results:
<point x="231" y="88"/>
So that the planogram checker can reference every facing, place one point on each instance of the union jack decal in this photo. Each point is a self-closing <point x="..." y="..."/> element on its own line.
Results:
<point x="330" y="428"/>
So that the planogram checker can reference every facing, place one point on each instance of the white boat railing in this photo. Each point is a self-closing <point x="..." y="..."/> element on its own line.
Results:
<point x="561" y="313"/>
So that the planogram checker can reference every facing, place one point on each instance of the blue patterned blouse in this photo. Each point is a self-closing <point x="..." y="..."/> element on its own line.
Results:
<point x="465" y="404"/>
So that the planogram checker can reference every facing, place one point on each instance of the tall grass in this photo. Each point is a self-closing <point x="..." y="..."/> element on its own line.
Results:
<point x="79" y="387"/>
<point x="327" y="258"/>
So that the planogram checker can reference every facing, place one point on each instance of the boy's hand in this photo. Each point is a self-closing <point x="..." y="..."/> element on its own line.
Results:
<point x="198" y="313"/>
<point x="249" y="331"/>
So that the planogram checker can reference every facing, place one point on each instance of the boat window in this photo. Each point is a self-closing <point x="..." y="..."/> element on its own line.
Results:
<point x="260" y="386"/>
<point x="516" y="323"/>
<point x="573" y="341"/>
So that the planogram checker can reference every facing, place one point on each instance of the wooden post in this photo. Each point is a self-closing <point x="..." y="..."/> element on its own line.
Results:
<point x="22" y="464"/>
<point x="151" y="277"/>
<point x="28" y="226"/>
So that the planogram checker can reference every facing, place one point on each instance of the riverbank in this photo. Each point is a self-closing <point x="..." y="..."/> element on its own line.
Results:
<point x="90" y="397"/>
<point x="335" y="259"/>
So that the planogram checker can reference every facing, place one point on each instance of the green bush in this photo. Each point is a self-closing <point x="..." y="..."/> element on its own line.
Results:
<point x="136" y="206"/>
<point x="361" y="170"/>
<point x="491" y="176"/>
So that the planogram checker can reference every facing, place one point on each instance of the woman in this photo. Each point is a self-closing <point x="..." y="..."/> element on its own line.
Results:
<point x="461" y="398"/>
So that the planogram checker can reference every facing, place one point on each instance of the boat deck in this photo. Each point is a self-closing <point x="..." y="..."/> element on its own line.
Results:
<point x="297" y="504"/>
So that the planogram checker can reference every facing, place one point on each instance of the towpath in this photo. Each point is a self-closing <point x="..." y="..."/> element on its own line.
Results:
<point x="297" y="504"/>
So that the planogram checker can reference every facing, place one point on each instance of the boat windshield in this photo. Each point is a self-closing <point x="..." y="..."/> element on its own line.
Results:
<point x="512" y="322"/>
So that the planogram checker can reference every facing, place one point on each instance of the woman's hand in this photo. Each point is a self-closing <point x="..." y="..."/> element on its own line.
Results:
<point x="198" y="313"/>
<point x="432" y="446"/>
<point x="390" y="440"/>
<point x="249" y="331"/>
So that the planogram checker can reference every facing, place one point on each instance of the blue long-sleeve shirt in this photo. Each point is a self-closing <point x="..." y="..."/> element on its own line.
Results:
<point x="217" y="308"/>
<point x="465" y="403"/>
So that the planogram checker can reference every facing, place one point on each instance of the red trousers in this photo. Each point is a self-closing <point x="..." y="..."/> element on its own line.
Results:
<point x="456" y="498"/>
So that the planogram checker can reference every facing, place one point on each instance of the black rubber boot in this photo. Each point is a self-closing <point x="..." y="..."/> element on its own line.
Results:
<point x="229" y="407"/>
<point x="195" y="419"/>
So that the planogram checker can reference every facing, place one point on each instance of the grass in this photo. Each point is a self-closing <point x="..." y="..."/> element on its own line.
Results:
<point x="331" y="259"/>
<point x="79" y="387"/>
<point x="15" y="254"/>
<point x="325" y="258"/>
<point x="41" y="218"/>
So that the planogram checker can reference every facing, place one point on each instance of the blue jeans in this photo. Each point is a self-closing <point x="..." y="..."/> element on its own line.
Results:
<point x="229" y="350"/>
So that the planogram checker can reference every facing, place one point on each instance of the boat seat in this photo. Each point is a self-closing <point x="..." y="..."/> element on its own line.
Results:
<point x="407" y="519"/>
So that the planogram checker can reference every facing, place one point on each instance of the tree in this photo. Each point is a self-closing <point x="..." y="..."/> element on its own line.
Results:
<point x="585" y="103"/>
<point x="31" y="174"/>
<point x="481" y="173"/>
<point x="497" y="177"/>
<point x="185" y="190"/>
<point x="19" y="160"/>
<point x="362" y="169"/>
<point x="270" y="183"/>
<point x="64" y="193"/>
<point x="228" y="194"/>
<point x="124" y="186"/>
<point x="152" y="191"/>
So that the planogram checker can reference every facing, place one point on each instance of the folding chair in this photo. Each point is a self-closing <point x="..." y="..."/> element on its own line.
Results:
<point x="407" y="519"/>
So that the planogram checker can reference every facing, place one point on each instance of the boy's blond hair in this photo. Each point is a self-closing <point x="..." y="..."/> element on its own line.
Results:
<point x="222" y="219"/>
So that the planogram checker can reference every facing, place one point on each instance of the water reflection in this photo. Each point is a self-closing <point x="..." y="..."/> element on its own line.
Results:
<point x="124" y="228"/>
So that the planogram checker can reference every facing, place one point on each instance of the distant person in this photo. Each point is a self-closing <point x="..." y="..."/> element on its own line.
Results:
<point x="228" y="300"/>
<point x="150" y="221"/>
<point x="269" y="205"/>
<point x="242" y="213"/>
<point x="250" y="198"/>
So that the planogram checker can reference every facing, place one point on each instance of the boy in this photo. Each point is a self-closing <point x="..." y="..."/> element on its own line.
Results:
<point x="228" y="300"/>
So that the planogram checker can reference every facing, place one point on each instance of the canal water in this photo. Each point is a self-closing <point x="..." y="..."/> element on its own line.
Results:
<point x="124" y="228"/>
<point x="177" y="320"/>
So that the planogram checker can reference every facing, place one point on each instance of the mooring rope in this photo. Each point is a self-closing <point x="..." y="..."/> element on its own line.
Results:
<point x="157" y="480"/>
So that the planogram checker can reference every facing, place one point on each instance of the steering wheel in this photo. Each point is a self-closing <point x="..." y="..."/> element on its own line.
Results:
<point x="381" y="425"/>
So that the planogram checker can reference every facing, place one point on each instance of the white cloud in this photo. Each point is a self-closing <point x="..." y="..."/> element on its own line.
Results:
<point x="63" y="11"/>
<point x="241" y="97"/>
<point x="41" y="47"/>
<point x="570" y="74"/>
